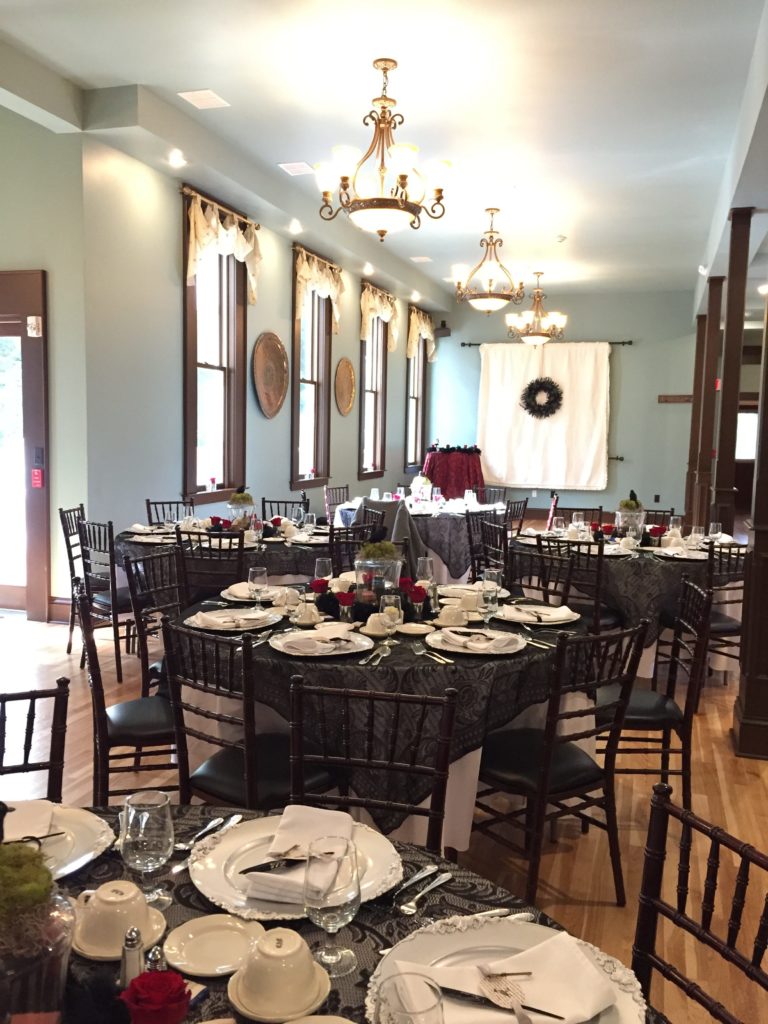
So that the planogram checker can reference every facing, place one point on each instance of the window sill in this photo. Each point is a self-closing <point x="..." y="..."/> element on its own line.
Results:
<point x="373" y="475"/>
<point x="211" y="497"/>
<point x="303" y="485"/>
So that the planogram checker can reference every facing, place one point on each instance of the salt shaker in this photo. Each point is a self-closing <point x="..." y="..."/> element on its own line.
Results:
<point x="132" y="960"/>
<point x="156" y="960"/>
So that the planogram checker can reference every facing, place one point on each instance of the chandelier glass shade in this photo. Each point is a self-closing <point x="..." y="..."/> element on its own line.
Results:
<point x="382" y="190"/>
<point x="488" y="286"/>
<point x="535" y="326"/>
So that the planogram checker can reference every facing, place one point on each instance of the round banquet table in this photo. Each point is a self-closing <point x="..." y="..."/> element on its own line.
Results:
<point x="374" y="927"/>
<point x="454" y="472"/>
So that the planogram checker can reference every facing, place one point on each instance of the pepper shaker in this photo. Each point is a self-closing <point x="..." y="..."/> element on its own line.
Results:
<point x="156" y="960"/>
<point x="132" y="960"/>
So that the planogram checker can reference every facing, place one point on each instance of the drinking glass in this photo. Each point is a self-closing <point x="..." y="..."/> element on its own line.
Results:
<point x="558" y="526"/>
<point x="323" y="568"/>
<point x="147" y="840"/>
<point x="715" y="529"/>
<point x="437" y="493"/>
<point x="257" y="526"/>
<point x="409" y="998"/>
<point x="257" y="583"/>
<point x="577" y="520"/>
<point x="676" y="523"/>
<point x="309" y="523"/>
<point x="425" y="569"/>
<point x="391" y="608"/>
<point x="401" y="492"/>
<point x="332" y="898"/>
<point x="387" y="496"/>
<point x="489" y="599"/>
<point x="375" y="494"/>
<point x="696" y="537"/>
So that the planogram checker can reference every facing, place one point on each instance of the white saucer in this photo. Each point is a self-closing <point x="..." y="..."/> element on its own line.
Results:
<point x="321" y="994"/>
<point x="415" y="628"/>
<point x="216" y="944"/>
<point x="374" y="634"/>
<point x="458" y="625"/>
<point x="318" y="1019"/>
<point x="157" y="926"/>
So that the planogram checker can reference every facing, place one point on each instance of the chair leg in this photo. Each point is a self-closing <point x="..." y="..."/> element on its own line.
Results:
<point x="613" y="845"/>
<point x="72" y="614"/>
<point x="686" y="771"/>
<point x="137" y="758"/>
<point x="666" y="741"/>
<point x="116" y="640"/>
<point x="534" y="852"/>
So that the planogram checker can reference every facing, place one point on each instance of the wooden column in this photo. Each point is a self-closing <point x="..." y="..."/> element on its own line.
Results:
<point x="723" y="493"/>
<point x="693" y="446"/>
<point x="750" y="714"/>
<point x="701" y="498"/>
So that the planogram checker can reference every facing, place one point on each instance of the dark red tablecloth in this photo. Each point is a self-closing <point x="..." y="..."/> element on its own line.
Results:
<point x="454" y="472"/>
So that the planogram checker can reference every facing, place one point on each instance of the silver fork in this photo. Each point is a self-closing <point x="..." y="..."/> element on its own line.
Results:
<point x="419" y="649"/>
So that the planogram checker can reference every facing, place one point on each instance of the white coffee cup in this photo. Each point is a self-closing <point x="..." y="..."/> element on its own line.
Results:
<point x="307" y="612"/>
<point x="377" y="623"/>
<point x="469" y="602"/>
<point x="453" y="616"/>
<point x="105" y="914"/>
<point x="279" y="977"/>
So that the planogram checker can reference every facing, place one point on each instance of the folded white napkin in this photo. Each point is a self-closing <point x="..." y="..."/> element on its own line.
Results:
<point x="285" y="598"/>
<point x="563" y="981"/>
<point x="483" y="642"/>
<point x="241" y="591"/>
<point x="308" y="645"/>
<point x="572" y="533"/>
<point x="288" y="530"/>
<point x="534" y="613"/>
<point x="724" y="538"/>
<point x="628" y="543"/>
<point x="28" y="818"/>
<point x="300" y="825"/>
<point x="332" y="630"/>
<point x="340" y="586"/>
<point x="530" y="532"/>
<point x="226" y="619"/>
<point x="141" y="528"/>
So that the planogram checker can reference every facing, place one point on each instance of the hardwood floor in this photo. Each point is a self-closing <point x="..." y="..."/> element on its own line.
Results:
<point x="576" y="885"/>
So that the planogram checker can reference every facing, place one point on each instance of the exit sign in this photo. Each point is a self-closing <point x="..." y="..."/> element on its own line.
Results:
<point x="37" y="479"/>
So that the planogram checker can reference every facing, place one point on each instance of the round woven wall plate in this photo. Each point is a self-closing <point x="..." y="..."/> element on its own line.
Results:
<point x="345" y="386"/>
<point x="270" y="373"/>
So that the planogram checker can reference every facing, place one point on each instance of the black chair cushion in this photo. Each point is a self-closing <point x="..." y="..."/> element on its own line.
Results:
<point x="647" y="709"/>
<point x="722" y="624"/>
<point x="222" y="776"/>
<point x="512" y="760"/>
<point x="144" y="720"/>
<point x="609" y="619"/>
<point x="103" y="600"/>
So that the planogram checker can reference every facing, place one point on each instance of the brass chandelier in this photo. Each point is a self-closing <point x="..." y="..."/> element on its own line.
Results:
<point x="382" y="191"/>
<point x="535" y="326"/>
<point x="494" y="287"/>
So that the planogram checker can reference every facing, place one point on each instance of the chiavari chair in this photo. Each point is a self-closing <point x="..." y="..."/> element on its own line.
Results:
<point x="18" y="722"/>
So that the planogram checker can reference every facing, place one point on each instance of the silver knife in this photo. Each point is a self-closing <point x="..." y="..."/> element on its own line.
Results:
<point x="430" y="869"/>
<point x="233" y="820"/>
<point x="469" y="997"/>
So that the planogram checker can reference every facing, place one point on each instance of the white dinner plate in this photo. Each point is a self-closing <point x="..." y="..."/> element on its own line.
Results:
<point x="313" y="540"/>
<point x="462" y="941"/>
<point x="151" y="538"/>
<point x="272" y="540"/>
<point x="439" y="641"/>
<point x="676" y="555"/>
<point x="461" y="590"/>
<point x="216" y="862"/>
<point x="231" y="624"/>
<point x="415" y="628"/>
<point x="267" y="594"/>
<point x="614" y="551"/>
<point x="86" y="836"/>
<point x="157" y="925"/>
<point x="355" y="644"/>
<point x="216" y="944"/>
<point x="527" y="613"/>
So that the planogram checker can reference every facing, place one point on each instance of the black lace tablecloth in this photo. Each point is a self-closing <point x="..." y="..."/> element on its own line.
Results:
<point x="446" y="535"/>
<point x="376" y="925"/>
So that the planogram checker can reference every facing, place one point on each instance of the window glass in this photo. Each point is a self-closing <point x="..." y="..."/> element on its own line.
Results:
<point x="373" y="401"/>
<point x="310" y="426"/>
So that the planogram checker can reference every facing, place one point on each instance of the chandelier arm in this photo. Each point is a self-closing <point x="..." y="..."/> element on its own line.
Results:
<point x="327" y="211"/>
<point x="436" y="210"/>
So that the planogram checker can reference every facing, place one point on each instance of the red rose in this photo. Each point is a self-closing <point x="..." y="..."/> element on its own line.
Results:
<point x="405" y="583"/>
<point x="418" y="594"/>
<point x="157" y="997"/>
<point x="594" y="527"/>
<point x="215" y="520"/>
<point x="657" y="531"/>
<point x="346" y="600"/>
<point x="318" y="586"/>
<point x="276" y="520"/>
<point x="607" y="528"/>
<point x="226" y="523"/>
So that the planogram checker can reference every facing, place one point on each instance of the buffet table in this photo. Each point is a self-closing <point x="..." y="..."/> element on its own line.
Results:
<point x="454" y="472"/>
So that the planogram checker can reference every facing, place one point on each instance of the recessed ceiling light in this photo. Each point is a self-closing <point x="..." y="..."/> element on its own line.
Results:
<point x="449" y="280"/>
<point x="295" y="226"/>
<point x="763" y="289"/>
<point x="203" y="99"/>
<point x="368" y="269"/>
<point x="297" y="168"/>
<point x="176" y="158"/>
<point x="703" y="270"/>
<point x="421" y="259"/>
<point x="415" y="296"/>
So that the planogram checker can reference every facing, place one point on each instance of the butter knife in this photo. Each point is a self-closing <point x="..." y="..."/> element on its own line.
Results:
<point x="470" y="997"/>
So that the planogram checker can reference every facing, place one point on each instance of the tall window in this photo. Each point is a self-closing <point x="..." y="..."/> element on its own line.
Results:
<point x="373" y="402"/>
<point x="214" y="376"/>
<point x="311" y="409"/>
<point x="416" y="407"/>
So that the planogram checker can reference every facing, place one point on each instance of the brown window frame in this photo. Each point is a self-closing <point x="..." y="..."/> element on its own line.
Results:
<point x="233" y="346"/>
<point x="421" y="424"/>
<point x="376" y="347"/>
<point x="320" y="328"/>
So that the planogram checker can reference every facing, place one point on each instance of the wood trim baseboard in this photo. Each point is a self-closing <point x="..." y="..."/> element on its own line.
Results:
<point x="14" y="598"/>
<point x="58" y="609"/>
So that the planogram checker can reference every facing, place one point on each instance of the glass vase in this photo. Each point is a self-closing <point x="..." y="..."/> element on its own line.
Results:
<point x="345" y="613"/>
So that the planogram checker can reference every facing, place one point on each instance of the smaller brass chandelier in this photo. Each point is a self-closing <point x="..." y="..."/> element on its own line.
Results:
<point x="494" y="286"/>
<point x="383" y="190"/>
<point x="535" y="326"/>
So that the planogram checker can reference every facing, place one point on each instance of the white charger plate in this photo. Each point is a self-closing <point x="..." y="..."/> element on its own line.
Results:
<point x="524" y="613"/>
<point x="440" y="643"/>
<point x="214" y="945"/>
<point x="225" y="614"/>
<point x="86" y="836"/>
<point x="215" y="864"/>
<point x="267" y="594"/>
<point x="151" y="538"/>
<point x="688" y="556"/>
<point x="466" y="940"/>
<point x="356" y="645"/>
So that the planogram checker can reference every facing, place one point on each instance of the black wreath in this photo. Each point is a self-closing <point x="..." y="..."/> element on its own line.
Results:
<point x="542" y="410"/>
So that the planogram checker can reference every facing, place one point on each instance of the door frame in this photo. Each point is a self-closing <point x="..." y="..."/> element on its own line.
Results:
<point x="23" y="296"/>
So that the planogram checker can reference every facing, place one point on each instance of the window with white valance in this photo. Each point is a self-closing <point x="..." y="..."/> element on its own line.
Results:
<point x="374" y="304"/>
<point x="322" y="277"/>
<point x="230" y="234"/>
<point x="420" y="326"/>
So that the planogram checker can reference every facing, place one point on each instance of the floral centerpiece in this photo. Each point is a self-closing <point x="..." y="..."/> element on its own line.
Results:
<point x="630" y="514"/>
<point x="241" y="508"/>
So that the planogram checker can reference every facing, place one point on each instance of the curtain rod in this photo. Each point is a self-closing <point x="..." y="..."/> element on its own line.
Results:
<point x="317" y="256"/>
<point x="477" y="344"/>
<point x="374" y="288"/>
<point x="418" y="309"/>
<point x="187" y="191"/>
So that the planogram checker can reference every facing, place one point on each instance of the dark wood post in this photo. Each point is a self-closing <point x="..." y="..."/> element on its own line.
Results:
<point x="693" y="446"/>
<point x="701" y="501"/>
<point x="750" y="714"/>
<point x="723" y="493"/>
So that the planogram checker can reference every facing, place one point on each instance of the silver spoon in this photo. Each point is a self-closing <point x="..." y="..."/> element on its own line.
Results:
<point x="212" y="825"/>
<point x="232" y="820"/>
<point x="383" y="652"/>
<point x="412" y="906"/>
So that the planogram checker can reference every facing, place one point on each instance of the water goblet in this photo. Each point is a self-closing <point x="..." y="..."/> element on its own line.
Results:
<point x="391" y="608"/>
<point x="323" y="568"/>
<point x="332" y="898"/>
<point x="425" y="568"/>
<point x="257" y="583"/>
<point x="715" y="529"/>
<point x="387" y="496"/>
<point x="577" y="520"/>
<point x="309" y="523"/>
<point x="558" y="526"/>
<point x="409" y="998"/>
<point x="375" y="494"/>
<point x="489" y="600"/>
<point x="147" y="840"/>
<point x="696" y="537"/>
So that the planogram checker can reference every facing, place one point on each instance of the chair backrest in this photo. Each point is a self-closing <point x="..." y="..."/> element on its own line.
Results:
<point x="95" y="682"/>
<point x="542" y="576"/>
<point x="687" y="652"/>
<point x="492" y="495"/>
<point x="288" y="508"/>
<point x="202" y="669"/>
<point x="345" y="544"/>
<point x="18" y="713"/>
<point x="373" y="518"/>
<point x="658" y="516"/>
<point x="97" y="550"/>
<point x="725" y="573"/>
<point x="210" y="561"/>
<point x="396" y="736"/>
<point x="476" y="557"/>
<point x="156" y="584"/>
<point x="169" y="511"/>
<point x="733" y="866"/>
<point x="333" y="497"/>
<point x="591" y="515"/>
<point x="514" y="515"/>
<point x="69" y="518"/>
<point x="495" y="543"/>
<point x="587" y="572"/>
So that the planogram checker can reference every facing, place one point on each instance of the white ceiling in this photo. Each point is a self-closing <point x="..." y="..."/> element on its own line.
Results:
<point x="609" y="123"/>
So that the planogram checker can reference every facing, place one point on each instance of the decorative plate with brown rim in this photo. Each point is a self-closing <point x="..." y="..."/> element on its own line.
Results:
<point x="345" y="386"/>
<point x="270" y="373"/>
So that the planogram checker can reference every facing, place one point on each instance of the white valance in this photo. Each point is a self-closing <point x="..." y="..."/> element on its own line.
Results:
<point x="231" y="236"/>
<point x="420" y="326"/>
<point x="322" y="277"/>
<point x="374" y="302"/>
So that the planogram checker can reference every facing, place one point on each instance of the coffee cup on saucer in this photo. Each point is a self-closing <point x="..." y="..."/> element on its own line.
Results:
<point x="105" y="914"/>
<point x="376" y="625"/>
<point x="450" y="615"/>
<point x="280" y="980"/>
<point x="307" y="614"/>
<point x="469" y="602"/>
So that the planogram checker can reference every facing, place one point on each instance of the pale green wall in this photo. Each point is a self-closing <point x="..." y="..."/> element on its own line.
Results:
<point x="652" y="438"/>
<point x="41" y="228"/>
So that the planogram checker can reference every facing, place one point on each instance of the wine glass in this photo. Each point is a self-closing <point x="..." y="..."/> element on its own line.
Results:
<point x="676" y="523"/>
<point x="577" y="520"/>
<point x="558" y="526"/>
<point x="425" y="569"/>
<point x="391" y="608"/>
<point x="323" y="568"/>
<point x="147" y="840"/>
<point x="696" y="537"/>
<point x="375" y="494"/>
<point x="257" y="583"/>
<point x="715" y="529"/>
<point x="409" y="998"/>
<point x="309" y="524"/>
<point x="332" y="898"/>
<point x="387" y="496"/>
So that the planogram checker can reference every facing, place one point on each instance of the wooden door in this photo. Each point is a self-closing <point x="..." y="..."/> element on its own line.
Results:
<point x="23" y="314"/>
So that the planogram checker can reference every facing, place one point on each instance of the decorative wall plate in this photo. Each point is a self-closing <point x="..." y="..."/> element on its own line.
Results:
<point x="345" y="386"/>
<point x="270" y="373"/>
